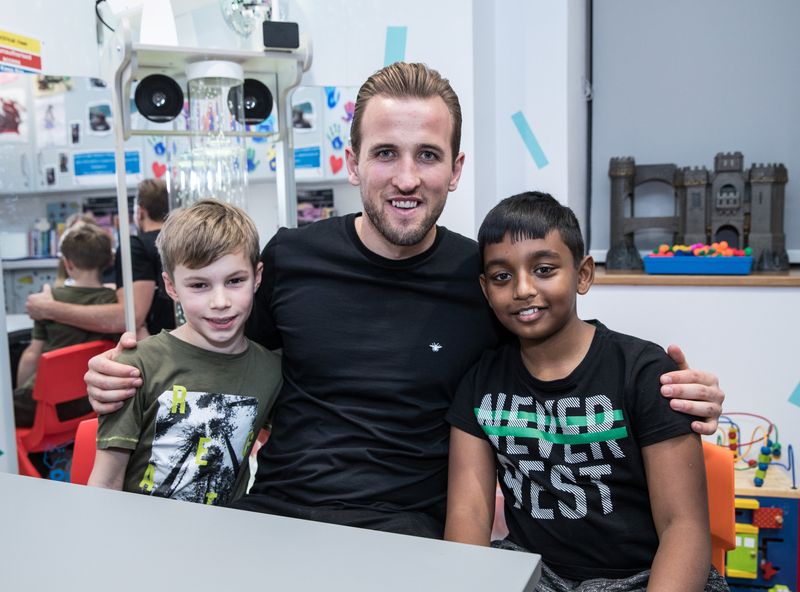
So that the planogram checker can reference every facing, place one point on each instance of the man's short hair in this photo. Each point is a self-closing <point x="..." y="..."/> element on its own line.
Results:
<point x="87" y="246"/>
<point x="153" y="198"/>
<point x="531" y="215"/>
<point x="198" y="235"/>
<point x="402" y="80"/>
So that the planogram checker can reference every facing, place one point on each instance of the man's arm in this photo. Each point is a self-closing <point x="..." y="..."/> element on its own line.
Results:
<point x="109" y="383"/>
<point x="29" y="361"/>
<point x="676" y="479"/>
<point x="109" y="468"/>
<point x="693" y="392"/>
<point x="99" y="318"/>
<point x="470" y="489"/>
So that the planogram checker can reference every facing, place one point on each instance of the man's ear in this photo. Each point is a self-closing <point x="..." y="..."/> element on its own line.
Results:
<point x="259" y="271"/>
<point x="458" y="166"/>
<point x="169" y="286"/>
<point x="351" y="159"/>
<point x="585" y="274"/>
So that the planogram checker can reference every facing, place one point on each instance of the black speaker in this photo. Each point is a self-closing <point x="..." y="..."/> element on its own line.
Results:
<point x="281" y="35"/>
<point x="257" y="101"/>
<point x="158" y="98"/>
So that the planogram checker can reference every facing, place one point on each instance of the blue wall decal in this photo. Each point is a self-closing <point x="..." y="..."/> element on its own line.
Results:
<point x="527" y="135"/>
<point x="395" y="45"/>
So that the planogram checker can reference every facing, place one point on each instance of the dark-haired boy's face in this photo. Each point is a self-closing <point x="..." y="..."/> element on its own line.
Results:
<point x="531" y="285"/>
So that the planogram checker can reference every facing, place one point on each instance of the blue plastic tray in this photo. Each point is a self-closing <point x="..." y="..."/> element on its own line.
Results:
<point x="698" y="265"/>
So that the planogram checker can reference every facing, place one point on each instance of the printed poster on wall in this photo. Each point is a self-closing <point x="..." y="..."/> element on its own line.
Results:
<point x="13" y="115"/>
<point x="98" y="167"/>
<point x="51" y="121"/>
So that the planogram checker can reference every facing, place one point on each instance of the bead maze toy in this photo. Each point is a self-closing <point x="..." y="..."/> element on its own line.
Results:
<point x="767" y="506"/>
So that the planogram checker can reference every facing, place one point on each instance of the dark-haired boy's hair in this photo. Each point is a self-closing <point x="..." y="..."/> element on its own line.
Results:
<point x="531" y="215"/>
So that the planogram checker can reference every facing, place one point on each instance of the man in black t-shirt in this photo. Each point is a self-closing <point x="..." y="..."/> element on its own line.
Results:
<point x="378" y="315"/>
<point x="153" y="309"/>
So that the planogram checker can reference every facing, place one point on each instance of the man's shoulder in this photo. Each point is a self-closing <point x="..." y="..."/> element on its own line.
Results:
<point x="316" y="231"/>
<point x="457" y="246"/>
<point x="458" y="240"/>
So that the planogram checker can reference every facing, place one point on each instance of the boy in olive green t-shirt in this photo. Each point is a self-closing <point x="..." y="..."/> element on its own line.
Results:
<point x="85" y="252"/>
<point x="207" y="389"/>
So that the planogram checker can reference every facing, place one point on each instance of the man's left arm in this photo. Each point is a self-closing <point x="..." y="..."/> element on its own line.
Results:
<point x="693" y="392"/>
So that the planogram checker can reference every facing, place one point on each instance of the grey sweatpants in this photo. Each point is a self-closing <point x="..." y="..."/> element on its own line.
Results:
<point x="551" y="582"/>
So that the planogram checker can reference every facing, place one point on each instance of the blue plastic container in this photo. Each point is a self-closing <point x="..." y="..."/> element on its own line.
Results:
<point x="698" y="265"/>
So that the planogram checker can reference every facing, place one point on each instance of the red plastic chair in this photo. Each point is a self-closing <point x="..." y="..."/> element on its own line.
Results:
<point x="83" y="452"/>
<point x="59" y="378"/>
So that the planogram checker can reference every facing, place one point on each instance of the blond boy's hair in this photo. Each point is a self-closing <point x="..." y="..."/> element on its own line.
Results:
<point x="198" y="235"/>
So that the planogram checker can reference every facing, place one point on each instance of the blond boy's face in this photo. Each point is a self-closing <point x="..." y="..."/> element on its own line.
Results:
<point x="216" y="301"/>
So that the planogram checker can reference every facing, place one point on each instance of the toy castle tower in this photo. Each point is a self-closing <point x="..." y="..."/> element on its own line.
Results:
<point x="766" y="237"/>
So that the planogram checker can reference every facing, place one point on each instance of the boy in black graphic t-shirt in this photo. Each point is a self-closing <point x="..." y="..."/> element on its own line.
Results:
<point x="599" y="475"/>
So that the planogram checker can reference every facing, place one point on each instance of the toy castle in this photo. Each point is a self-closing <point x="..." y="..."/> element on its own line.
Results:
<point x="743" y="207"/>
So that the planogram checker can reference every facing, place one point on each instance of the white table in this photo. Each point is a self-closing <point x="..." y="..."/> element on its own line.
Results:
<point x="59" y="536"/>
<point x="18" y="322"/>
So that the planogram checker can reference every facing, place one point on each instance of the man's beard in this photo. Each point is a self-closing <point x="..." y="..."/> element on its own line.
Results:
<point x="401" y="236"/>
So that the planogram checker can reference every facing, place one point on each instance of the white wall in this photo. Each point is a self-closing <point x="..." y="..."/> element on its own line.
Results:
<point x="530" y="57"/>
<point x="745" y="335"/>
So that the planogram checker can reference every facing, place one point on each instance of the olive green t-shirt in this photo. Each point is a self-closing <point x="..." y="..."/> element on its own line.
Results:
<point x="193" y="421"/>
<point x="57" y="335"/>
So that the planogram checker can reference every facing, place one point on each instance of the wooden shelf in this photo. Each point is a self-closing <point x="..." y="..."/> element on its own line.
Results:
<point x="790" y="279"/>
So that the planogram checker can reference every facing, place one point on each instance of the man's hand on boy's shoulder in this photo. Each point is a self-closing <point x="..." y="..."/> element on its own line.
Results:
<point x="693" y="392"/>
<point x="109" y="383"/>
<point x="37" y="304"/>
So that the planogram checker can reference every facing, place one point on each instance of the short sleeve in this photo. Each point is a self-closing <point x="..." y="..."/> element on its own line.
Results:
<point x="653" y="418"/>
<point x="39" y="330"/>
<point x="123" y="428"/>
<point x="461" y="414"/>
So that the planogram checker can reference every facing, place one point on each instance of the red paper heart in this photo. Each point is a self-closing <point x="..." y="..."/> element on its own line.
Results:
<point x="336" y="164"/>
<point x="159" y="169"/>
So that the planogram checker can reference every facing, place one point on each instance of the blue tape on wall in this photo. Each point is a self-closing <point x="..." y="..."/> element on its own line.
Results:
<point x="526" y="133"/>
<point x="794" y="398"/>
<point x="395" y="50"/>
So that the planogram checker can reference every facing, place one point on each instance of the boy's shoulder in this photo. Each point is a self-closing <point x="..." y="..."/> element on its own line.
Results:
<point x="165" y="343"/>
<point x="629" y="345"/>
<point x="266" y="356"/>
<point x="81" y="295"/>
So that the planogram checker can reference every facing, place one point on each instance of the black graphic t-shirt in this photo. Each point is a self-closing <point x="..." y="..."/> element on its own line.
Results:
<point x="568" y="451"/>
<point x="373" y="350"/>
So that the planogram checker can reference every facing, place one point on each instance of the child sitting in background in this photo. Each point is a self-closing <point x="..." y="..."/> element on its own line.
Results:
<point x="600" y="476"/>
<point x="207" y="389"/>
<point x="85" y="253"/>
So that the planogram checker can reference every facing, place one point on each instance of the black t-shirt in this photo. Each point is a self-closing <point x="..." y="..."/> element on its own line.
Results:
<point x="373" y="350"/>
<point x="568" y="451"/>
<point x="146" y="265"/>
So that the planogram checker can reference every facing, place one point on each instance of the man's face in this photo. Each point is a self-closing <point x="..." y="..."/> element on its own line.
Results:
<point x="405" y="170"/>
